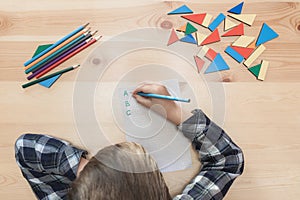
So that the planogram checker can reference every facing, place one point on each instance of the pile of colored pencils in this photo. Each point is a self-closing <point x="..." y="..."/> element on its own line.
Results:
<point x="60" y="51"/>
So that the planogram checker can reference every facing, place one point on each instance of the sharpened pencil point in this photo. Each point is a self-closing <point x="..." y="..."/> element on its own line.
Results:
<point x="93" y="33"/>
<point x="98" y="37"/>
<point x="76" y="66"/>
<point x="86" y="25"/>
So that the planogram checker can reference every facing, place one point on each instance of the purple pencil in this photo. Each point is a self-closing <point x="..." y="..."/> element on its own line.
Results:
<point x="55" y="60"/>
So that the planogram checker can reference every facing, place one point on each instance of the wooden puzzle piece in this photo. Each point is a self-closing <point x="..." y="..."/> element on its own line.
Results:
<point x="237" y="9"/>
<point x="181" y="10"/>
<point x="252" y="45"/>
<point x="196" y="18"/>
<point x="207" y="20"/>
<point x="245" y="52"/>
<point x="211" y="54"/>
<point x="200" y="37"/>
<point x="203" y="52"/>
<point x="257" y="52"/>
<point x="245" y="18"/>
<point x="199" y="63"/>
<point x="235" y="55"/>
<point x="218" y="64"/>
<point x="243" y="41"/>
<point x="182" y="28"/>
<point x="266" y="34"/>
<point x="263" y="70"/>
<point x="228" y="24"/>
<point x="255" y="70"/>
<point x="236" y="31"/>
<point x="190" y="29"/>
<point x="189" y="39"/>
<point x="212" y="38"/>
<point x="173" y="37"/>
<point x="216" y="22"/>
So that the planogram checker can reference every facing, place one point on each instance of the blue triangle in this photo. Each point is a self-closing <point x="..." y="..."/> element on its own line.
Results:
<point x="237" y="9"/>
<point x="49" y="82"/>
<point x="189" y="39"/>
<point x="181" y="10"/>
<point x="218" y="64"/>
<point x="266" y="34"/>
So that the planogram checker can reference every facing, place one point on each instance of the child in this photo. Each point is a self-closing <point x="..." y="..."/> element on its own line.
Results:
<point x="57" y="170"/>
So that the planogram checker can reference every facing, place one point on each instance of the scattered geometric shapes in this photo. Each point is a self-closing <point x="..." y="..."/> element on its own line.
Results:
<point x="190" y="29"/>
<point x="216" y="22"/>
<point x="266" y="34"/>
<point x="236" y="31"/>
<point x="255" y="70"/>
<point x="49" y="82"/>
<point x="243" y="41"/>
<point x="182" y="28"/>
<point x="263" y="70"/>
<point x="237" y="9"/>
<point x="218" y="64"/>
<point x="211" y="54"/>
<point x="207" y="20"/>
<point x="173" y="37"/>
<point x="203" y="52"/>
<point x="200" y="37"/>
<point x="189" y="39"/>
<point x="245" y="52"/>
<point x="245" y="18"/>
<point x="196" y="18"/>
<point x="199" y="63"/>
<point x="235" y="55"/>
<point x="212" y="38"/>
<point x="257" y="52"/>
<point x="228" y="24"/>
<point x="181" y="10"/>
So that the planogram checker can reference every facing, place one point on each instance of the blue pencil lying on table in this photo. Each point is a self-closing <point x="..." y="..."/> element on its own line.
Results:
<point x="159" y="96"/>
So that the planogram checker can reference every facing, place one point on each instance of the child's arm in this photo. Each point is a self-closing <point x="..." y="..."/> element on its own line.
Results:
<point x="48" y="164"/>
<point x="222" y="160"/>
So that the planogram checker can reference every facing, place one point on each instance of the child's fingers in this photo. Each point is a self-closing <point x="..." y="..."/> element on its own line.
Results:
<point x="142" y="100"/>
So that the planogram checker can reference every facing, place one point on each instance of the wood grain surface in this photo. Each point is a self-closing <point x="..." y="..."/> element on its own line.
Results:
<point x="262" y="117"/>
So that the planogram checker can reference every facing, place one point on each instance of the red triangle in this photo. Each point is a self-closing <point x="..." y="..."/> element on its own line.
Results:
<point x="173" y="37"/>
<point x="199" y="63"/>
<point x="213" y="37"/>
<point x="245" y="52"/>
<point x="211" y="54"/>
<point x="196" y="18"/>
<point x="236" y="31"/>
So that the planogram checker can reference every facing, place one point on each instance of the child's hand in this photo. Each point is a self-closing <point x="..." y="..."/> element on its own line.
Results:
<point x="172" y="109"/>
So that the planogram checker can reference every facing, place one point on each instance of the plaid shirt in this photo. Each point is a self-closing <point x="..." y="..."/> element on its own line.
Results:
<point x="50" y="164"/>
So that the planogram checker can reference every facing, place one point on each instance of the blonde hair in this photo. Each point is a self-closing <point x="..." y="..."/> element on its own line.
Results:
<point x="123" y="171"/>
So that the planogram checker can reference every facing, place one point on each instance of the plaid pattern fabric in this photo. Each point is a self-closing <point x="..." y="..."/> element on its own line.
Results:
<point x="50" y="165"/>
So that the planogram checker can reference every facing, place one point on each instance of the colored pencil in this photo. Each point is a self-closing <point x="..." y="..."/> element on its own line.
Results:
<point x="56" y="44"/>
<point x="75" y="42"/>
<point x="56" y="48"/>
<point x="158" y="96"/>
<point x="50" y="76"/>
<point x="89" y="43"/>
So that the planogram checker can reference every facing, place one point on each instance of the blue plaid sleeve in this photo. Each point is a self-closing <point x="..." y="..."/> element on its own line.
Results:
<point x="48" y="164"/>
<point x="222" y="160"/>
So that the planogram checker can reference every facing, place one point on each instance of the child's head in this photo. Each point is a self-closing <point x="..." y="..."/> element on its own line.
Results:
<point x="121" y="171"/>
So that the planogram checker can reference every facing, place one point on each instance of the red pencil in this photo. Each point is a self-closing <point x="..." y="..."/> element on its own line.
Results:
<point x="68" y="56"/>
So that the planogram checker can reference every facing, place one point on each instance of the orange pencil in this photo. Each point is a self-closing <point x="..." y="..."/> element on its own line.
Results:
<point x="56" y="48"/>
<point x="89" y="43"/>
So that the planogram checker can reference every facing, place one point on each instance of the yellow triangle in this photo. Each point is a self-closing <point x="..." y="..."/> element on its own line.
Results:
<point x="200" y="37"/>
<point x="180" y="34"/>
<point x="228" y="24"/>
<point x="206" y="20"/>
<point x="243" y="41"/>
<point x="245" y="18"/>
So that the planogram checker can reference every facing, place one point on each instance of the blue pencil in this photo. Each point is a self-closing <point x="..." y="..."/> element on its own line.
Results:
<point x="56" y="44"/>
<point x="158" y="96"/>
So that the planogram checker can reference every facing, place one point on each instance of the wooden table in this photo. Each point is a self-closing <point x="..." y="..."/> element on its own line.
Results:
<point x="262" y="117"/>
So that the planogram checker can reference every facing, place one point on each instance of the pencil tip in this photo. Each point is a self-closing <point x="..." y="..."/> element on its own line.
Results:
<point x="76" y="66"/>
<point x="93" y="33"/>
<point x="98" y="37"/>
<point x="86" y="24"/>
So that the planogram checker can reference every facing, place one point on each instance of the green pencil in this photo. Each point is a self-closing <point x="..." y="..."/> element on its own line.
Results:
<point x="49" y="76"/>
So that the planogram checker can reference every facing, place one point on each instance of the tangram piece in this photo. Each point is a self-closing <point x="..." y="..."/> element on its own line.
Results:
<point x="263" y="70"/>
<point x="255" y="70"/>
<point x="173" y="37"/>
<point x="228" y="24"/>
<point x="243" y="41"/>
<point x="182" y="28"/>
<point x="180" y="35"/>
<point x="189" y="39"/>
<point x="207" y="20"/>
<point x="190" y="29"/>
<point x="196" y="18"/>
<point x="203" y="52"/>
<point x="200" y="37"/>
<point x="245" y="52"/>
<point x="237" y="9"/>
<point x="236" y="31"/>
<point x="49" y="82"/>
<point x="216" y="22"/>
<point x="252" y="45"/>
<point x="257" y="52"/>
<point x="181" y="10"/>
<point x="212" y="38"/>
<point x="266" y="34"/>
<point x="199" y="63"/>
<point x="218" y="64"/>
<point x="235" y="55"/>
<point x="211" y="54"/>
<point x="245" y="18"/>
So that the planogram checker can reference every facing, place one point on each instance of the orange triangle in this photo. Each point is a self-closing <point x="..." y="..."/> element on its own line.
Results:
<point x="199" y="63"/>
<point x="245" y="52"/>
<point x="236" y="31"/>
<point x="182" y="28"/>
<point x="196" y="18"/>
<point x="212" y="38"/>
<point x="173" y="37"/>
<point x="252" y="45"/>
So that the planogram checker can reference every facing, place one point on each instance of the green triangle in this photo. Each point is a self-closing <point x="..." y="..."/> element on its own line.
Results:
<point x="255" y="70"/>
<point x="190" y="29"/>
<point x="41" y="48"/>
